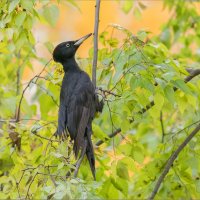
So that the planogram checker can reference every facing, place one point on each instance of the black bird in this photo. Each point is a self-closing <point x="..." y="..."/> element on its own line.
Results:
<point x="78" y="101"/>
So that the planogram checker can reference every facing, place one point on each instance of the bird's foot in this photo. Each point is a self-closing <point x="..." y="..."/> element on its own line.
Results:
<point x="61" y="134"/>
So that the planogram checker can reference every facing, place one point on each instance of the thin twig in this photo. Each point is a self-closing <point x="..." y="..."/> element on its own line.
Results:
<point x="171" y="160"/>
<point x="108" y="92"/>
<point x="47" y="92"/>
<point x="30" y="185"/>
<point x="100" y="142"/>
<point x="162" y="126"/>
<point x="96" y="27"/>
<point x="42" y="137"/>
<point x="18" y="80"/>
<point x="35" y="133"/>
<point x="183" y="129"/>
<point x="22" y="96"/>
<point x="52" y="177"/>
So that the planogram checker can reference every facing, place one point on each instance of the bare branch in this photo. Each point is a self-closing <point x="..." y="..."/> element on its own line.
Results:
<point x="108" y="92"/>
<point x="42" y="137"/>
<point x="22" y="96"/>
<point x="96" y="27"/>
<point x="100" y="142"/>
<point x="18" y="80"/>
<point x="171" y="160"/>
<point x="30" y="185"/>
<point x="193" y="73"/>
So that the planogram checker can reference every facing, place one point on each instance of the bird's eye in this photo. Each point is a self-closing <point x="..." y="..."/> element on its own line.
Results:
<point x="67" y="45"/>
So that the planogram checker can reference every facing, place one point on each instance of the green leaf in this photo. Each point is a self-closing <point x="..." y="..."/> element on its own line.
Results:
<point x="182" y="86"/>
<point x="49" y="46"/>
<point x="6" y="162"/>
<point x="113" y="42"/>
<point x="147" y="85"/>
<point x="127" y="6"/>
<point x="12" y="5"/>
<point x="125" y="149"/>
<point x="61" y="165"/>
<point x="138" y="155"/>
<point x="28" y="24"/>
<point x="142" y="6"/>
<point x="73" y="2"/>
<point x="27" y="4"/>
<point x="159" y="100"/>
<point x="165" y="37"/>
<point x="113" y="193"/>
<point x="197" y="183"/>
<point x="98" y="132"/>
<point x="122" y="171"/>
<point x="137" y="13"/>
<point x="47" y="189"/>
<point x="168" y="76"/>
<point x="142" y="35"/>
<point x="51" y="14"/>
<point x="169" y="93"/>
<point x="120" y="184"/>
<point x="135" y="82"/>
<point x="19" y="19"/>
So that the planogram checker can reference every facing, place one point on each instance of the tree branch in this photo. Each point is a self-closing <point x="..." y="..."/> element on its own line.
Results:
<point x="171" y="160"/>
<point x="107" y="92"/>
<point x="100" y="142"/>
<point x="96" y="27"/>
<point x="162" y="126"/>
<point x="193" y="74"/>
<point x="18" y="80"/>
<point x="22" y="96"/>
<point x="30" y="185"/>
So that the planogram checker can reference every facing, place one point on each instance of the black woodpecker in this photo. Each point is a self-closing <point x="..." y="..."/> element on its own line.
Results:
<point x="78" y="101"/>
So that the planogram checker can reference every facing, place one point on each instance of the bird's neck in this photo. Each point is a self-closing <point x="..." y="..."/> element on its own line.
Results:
<point x="70" y="65"/>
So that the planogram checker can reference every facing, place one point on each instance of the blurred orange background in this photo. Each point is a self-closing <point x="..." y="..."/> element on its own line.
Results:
<point x="75" y="22"/>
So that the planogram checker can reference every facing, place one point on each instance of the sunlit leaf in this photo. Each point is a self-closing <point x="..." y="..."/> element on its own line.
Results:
<point x="51" y="14"/>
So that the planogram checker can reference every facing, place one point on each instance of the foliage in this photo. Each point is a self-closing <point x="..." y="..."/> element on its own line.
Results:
<point x="138" y="71"/>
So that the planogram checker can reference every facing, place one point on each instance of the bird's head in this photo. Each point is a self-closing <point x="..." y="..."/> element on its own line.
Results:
<point x="67" y="50"/>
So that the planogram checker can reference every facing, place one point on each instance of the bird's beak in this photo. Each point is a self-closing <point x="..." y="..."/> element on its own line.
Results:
<point x="81" y="40"/>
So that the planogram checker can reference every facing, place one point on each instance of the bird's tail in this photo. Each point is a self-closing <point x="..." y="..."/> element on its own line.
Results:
<point x="90" y="155"/>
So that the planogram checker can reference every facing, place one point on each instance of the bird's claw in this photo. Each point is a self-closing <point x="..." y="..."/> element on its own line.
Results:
<point x="62" y="135"/>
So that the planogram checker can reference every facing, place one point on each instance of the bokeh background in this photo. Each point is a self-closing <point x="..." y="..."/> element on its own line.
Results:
<point x="75" y="21"/>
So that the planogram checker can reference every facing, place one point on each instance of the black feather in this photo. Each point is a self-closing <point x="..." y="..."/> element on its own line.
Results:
<point x="78" y="102"/>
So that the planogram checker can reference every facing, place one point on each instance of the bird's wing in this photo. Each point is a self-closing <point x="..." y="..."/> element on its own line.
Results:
<point x="79" y="114"/>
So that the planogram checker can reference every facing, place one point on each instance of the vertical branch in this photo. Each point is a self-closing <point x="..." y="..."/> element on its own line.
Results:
<point x="18" y="81"/>
<point x="18" y="75"/>
<point x="96" y="27"/>
<point x="162" y="127"/>
<point x="171" y="161"/>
